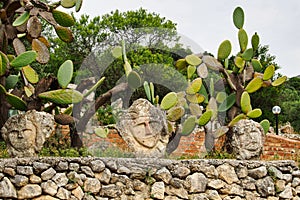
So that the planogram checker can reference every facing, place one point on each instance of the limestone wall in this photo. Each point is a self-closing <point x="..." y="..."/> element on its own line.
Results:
<point x="108" y="178"/>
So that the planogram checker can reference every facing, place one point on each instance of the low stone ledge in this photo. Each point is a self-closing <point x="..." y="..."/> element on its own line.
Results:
<point x="147" y="178"/>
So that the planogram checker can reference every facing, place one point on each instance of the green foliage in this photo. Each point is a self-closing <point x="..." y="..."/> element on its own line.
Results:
<point x="105" y="116"/>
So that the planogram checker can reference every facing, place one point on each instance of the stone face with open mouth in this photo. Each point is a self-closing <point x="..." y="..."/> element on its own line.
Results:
<point x="144" y="128"/>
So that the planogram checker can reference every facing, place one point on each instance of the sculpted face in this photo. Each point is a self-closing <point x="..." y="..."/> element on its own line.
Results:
<point x="22" y="137"/>
<point x="146" y="131"/>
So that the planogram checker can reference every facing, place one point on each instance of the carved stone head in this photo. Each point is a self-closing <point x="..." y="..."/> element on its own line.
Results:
<point x="26" y="133"/>
<point x="247" y="139"/>
<point x="144" y="128"/>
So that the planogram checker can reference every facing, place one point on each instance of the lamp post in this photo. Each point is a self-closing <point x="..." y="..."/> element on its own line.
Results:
<point x="276" y="110"/>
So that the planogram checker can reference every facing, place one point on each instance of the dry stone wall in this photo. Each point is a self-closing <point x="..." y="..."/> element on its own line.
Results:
<point x="130" y="178"/>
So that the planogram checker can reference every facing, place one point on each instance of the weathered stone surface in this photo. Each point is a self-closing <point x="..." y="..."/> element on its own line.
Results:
<point x="139" y="185"/>
<point x="164" y="175"/>
<point x="227" y="173"/>
<point x="196" y="182"/>
<point x="242" y="172"/>
<point x="216" y="184"/>
<point x="287" y="177"/>
<point x="62" y="193"/>
<point x="74" y="167"/>
<point x="158" y="190"/>
<point x="75" y="178"/>
<point x="35" y="179"/>
<point x="181" y="172"/>
<point x="40" y="167"/>
<point x="60" y="179"/>
<point x="233" y="189"/>
<point x="29" y="191"/>
<point x="49" y="187"/>
<point x="104" y="176"/>
<point x="279" y="185"/>
<point x="144" y="129"/>
<point x="296" y="182"/>
<point x="48" y="174"/>
<point x="78" y="193"/>
<point x="45" y="197"/>
<point x="111" y="191"/>
<point x="247" y="140"/>
<point x="213" y="195"/>
<point x="25" y="170"/>
<point x="199" y="197"/>
<point x="88" y="171"/>
<point x="10" y="171"/>
<point x="118" y="178"/>
<point x="21" y="180"/>
<point x="265" y="187"/>
<point x="7" y="189"/>
<point x="62" y="166"/>
<point x="287" y="193"/>
<point x="97" y="166"/>
<point x="258" y="173"/>
<point x="179" y="192"/>
<point x="92" y="185"/>
<point x="26" y="133"/>
<point x="248" y="183"/>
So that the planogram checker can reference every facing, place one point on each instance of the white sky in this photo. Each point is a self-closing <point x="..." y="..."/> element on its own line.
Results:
<point x="208" y="23"/>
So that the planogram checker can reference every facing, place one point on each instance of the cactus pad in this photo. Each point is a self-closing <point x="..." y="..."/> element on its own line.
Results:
<point x="24" y="59"/>
<point x="195" y="109"/>
<point x="181" y="64"/>
<point x="279" y="81"/>
<point x="62" y="96"/>
<point x="202" y="71"/>
<point x="43" y="54"/>
<point x="224" y="50"/>
<point x="147" y="90"/>
<point x="134" y="80"/>
<point x="236" y="119"/>
<point x="62" y="18"/>
<point x="255" y="41"/>
<point x="188" y="125"/>
<point x="190" y="71"/>
<point x="195" y="98"/>
<point x="265" y="125"/>
<point x="175" y="113"/>
<point x="246" y="102"/>
<point x="65" y="73"/>
<point x="64" y="33"/>
<point x="221" y="96"/>
<point x="238" y="17"/>
<point x="117" y="52"/>
<point x="239" y="62"/>
<point x="169" y="101"/>
<point x="4" y="63"/>
<point x="256" y="65"/>
<point x="227" y="103"/>
<point x="248" y="54"/>
<point x="243" y="39"/>
<point x="78" y="5"/>
<point x="212" y="63"/>
<point x="254" y="85"/>
<point x="11" y="81"/>
<point x="193" y="60"/>
<point x="67" y="3"/>
<point x="269" y="72"/>
<point x="101" y="132"/>
<point x="205" y="118"/>
<point x="194" y="87"/>
<point x="255" y="113"/>
<point x="16" y="102"/>
<point x="30" y="74"/>
<point x="21" y="19"/>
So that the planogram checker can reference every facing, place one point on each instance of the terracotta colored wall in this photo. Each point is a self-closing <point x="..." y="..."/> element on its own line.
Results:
<point x="275" y="147"/>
